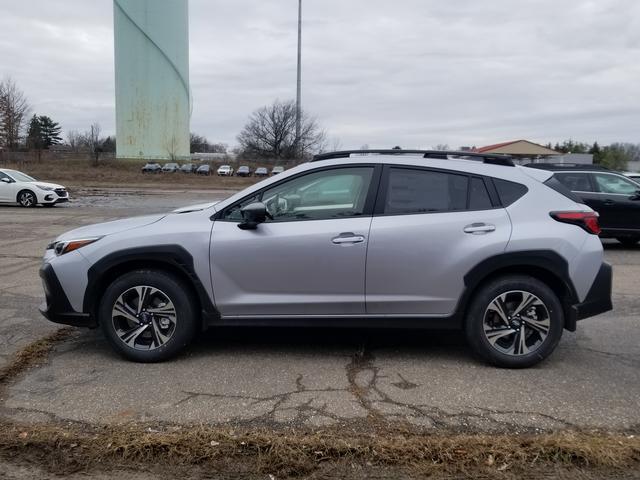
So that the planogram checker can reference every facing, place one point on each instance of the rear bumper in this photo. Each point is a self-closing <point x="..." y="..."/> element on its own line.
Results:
<point x="597" y="301"/>
<point x="56" y="306"/>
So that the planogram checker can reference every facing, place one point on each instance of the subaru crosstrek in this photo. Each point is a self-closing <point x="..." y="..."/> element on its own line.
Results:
<point x="408" y="239"/>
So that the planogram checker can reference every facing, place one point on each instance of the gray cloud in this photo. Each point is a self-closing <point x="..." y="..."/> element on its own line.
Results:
<point x="410" y="72"/>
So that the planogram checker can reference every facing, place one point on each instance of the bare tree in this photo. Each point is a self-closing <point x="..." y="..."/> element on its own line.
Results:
<point x="271" y="133"/>
<point x="14" y="109"/>
<point x="94" y="142"/>
<point x="171" y="147"/>
<point x="75" y="140"/>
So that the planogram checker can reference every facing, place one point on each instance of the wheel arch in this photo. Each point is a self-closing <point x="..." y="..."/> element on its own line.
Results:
<point x="172" y="259"/>
<point x="544" y="265"/>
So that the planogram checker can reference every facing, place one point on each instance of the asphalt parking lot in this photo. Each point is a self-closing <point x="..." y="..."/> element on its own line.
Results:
<point x="306" y="377"/>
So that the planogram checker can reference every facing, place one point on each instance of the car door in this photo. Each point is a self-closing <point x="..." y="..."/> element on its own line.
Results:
<point x="430" y="228"/>
<point x="620" y="199"/>
<point x="309" y="259"/>
<point x="6" y="189"/>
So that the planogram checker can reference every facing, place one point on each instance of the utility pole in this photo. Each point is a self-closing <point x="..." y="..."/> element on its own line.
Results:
<point x="299" y="90"/>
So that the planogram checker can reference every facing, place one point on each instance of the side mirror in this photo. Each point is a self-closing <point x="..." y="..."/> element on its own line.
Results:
<point x="253" y="215"/>
<point x="6" y="180"/>
<point x="635" y="196"/>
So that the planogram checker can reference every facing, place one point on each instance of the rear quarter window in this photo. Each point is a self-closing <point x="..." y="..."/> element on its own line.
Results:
<point x="509" y="192"/>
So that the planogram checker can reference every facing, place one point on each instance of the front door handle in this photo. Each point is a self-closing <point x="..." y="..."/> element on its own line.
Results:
<point x="479" y="228"/>
<point x="609" y="203"/>
<point x="347" y="237"/>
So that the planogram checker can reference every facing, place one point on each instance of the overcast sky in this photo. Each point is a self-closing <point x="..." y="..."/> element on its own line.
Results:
<point x="414" y="73"/>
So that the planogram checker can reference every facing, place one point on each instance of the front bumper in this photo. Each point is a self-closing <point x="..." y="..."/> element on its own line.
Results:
<point x="56" y="306"/>
<point x="597" y="301"/>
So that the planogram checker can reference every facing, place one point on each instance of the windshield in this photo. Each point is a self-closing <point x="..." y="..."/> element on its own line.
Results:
<point x="20" y="177"/>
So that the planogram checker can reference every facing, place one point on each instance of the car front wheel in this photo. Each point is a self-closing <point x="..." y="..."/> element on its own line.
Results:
<point x="514" y="322"/>
<point x="27" y="199"/>
<point x="148" y="316"/>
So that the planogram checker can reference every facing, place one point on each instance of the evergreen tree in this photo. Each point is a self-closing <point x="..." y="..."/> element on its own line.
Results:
<point x="50" y="131"/>
<point x="35" y="138"/>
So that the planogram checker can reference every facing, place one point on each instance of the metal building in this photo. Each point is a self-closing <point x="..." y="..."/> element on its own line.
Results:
<point x="153" y="101"/>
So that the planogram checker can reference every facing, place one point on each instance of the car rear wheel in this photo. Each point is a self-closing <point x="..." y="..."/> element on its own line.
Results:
<point x="27" y="199"/>
<point x="148" y="316"/>
<point x="514" y="322"/>
<point x="628" y="241"/>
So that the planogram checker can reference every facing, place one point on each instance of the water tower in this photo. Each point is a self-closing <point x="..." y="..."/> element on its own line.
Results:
<point x="153" y="101"/>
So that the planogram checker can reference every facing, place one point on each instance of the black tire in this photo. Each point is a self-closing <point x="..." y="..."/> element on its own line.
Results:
<point x="181" y="332"/>
<point x="482" y="305"/>
<point x="628" y="241"/>
<point x="27" y="199"/>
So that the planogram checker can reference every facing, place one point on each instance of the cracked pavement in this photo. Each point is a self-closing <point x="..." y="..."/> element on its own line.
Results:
<point x="310" y="378"/>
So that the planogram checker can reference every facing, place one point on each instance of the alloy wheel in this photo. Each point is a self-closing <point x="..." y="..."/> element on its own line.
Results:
<point x="27" y="199"/>
<point x="144" y="318"/>
<point x="516" y="323"/>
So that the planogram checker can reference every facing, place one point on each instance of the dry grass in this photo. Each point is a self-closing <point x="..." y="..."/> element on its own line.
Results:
<point x="32" y="355"/>
<point x="287" y="453"/>
<point x="115" y="173"/>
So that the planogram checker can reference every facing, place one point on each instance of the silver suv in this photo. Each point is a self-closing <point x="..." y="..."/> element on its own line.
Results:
<point x="408" y="239"/>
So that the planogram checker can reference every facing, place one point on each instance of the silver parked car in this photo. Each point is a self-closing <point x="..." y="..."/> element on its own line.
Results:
<point x="381" y="239"/>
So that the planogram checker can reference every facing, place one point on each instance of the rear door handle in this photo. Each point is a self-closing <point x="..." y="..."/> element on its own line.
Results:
<point x="347" y="237"/>
<point x="479" y="228"/>
<point x="609" y="203"/>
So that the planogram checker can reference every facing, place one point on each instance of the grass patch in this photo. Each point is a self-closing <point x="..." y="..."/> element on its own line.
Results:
<point x="32" y="355"/>
<point x="290" y="453"/>
<point x="120" y="173"/>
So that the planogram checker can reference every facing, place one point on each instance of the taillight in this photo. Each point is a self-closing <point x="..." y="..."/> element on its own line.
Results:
<point x="585" y="220"/>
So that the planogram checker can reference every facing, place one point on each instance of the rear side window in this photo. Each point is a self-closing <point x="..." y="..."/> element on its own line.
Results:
<point x="576" y="182"/>
<point x="555" y="184"/>
<point x="509" y="192"/>
<point x="424" y="191"/>
<point x="478" y="195"/>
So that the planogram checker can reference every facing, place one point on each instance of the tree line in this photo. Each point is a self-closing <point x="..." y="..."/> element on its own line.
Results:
<point x="269" y="134"/>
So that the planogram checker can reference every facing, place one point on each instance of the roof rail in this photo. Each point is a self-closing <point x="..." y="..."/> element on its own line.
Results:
<point x="566" y="166"/>
<point x="494" y="159"/>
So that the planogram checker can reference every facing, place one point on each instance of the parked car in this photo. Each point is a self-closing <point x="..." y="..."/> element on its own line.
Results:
<point x="614" y="196"/>
<point x="352" y="242"/>
<point x="635" y="176"/>
<point x="225" y="171"/>
<point x="243" y="171"/>
<point x="20" y="188"/>
<point x="188" y="168"/>
<point x="261" y="172"/>
<point x="170" y="168"/>
<point x="277" y="170"/>
<point x="152" y="168"/>
<point x="204" y="170"/>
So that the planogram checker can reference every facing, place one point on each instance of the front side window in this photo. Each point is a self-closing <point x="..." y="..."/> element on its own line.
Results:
<point x="21" y="177"/>
<point x="337" y="193"/>
<point x="423" y="191"/>
<point x="576" y="182"/>
<point x="615" y="184"/>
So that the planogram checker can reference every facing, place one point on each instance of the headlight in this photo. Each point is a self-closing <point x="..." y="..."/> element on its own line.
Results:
<point x="63" y="247"/>
<point x="45" y="188"/>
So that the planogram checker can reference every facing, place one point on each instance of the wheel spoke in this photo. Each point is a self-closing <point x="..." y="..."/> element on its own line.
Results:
<point x="159" y="338"/>
<point x="166" y="310"/>
<point x="499" y="306"/>
<point x="528" y="300"/>
<point x="540" y="326"/>
<point x="493" y="335"/>
<point x="123" y="310"/>
<point x="132" y="335"/>
<point x="521" y="342"/>
<point x="144" y="294"/>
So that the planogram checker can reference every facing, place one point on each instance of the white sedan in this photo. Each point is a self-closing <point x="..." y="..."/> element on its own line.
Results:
<point x="17" y="187"/>
<point x="225" y="171"/>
